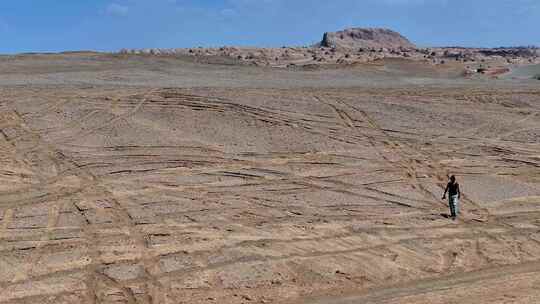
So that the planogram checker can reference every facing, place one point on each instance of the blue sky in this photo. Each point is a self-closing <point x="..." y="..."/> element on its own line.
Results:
<point x="58" y="25"/>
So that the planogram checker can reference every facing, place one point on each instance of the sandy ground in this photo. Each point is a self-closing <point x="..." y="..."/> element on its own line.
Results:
<point x="143" y="180"/>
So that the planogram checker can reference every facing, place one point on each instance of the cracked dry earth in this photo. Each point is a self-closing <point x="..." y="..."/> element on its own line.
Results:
<point x="161" y="195"/>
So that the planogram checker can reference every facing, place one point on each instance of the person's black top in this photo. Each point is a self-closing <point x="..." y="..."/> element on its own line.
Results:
<point x="453" y="189"/>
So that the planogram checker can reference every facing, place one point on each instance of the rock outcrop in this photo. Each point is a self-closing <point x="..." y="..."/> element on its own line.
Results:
<point x="367" y="38"/>
<point x="352" y="46"/>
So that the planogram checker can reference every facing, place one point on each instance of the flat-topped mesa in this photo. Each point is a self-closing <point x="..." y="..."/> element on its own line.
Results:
<point x="367" y="38"/>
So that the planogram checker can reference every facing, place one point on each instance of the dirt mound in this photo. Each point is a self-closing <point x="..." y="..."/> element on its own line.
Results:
<point x="366" y="38"/>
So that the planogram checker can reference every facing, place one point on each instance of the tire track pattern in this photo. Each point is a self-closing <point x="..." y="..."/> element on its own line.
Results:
<point x="187" y="221"/>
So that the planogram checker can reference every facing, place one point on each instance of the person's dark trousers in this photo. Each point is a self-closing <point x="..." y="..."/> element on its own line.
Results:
<point x="452" y="202"/>
<point x="452" y="210"/>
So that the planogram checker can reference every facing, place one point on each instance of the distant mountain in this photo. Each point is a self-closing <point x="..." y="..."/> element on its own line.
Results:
<point x="366" y="38"/>
<point x="354" y="46"/>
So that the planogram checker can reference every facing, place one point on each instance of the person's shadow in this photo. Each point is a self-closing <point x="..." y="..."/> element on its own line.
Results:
<point x="445" y="215"/>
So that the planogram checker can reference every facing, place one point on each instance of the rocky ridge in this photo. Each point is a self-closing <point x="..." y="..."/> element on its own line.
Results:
<point x="354" y="46"/>
<point x="355" y="38"/>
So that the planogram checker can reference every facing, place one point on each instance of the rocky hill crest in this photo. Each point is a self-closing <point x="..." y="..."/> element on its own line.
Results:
<point x="367" y="38"/>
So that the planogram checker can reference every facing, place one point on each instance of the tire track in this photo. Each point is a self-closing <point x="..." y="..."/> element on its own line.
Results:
<point x="410" y="166"/>
<point x="431" y="285"/>
<point x="93" y="272"/>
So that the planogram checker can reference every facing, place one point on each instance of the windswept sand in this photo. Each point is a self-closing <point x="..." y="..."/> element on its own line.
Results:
<point x="144" y="180"/>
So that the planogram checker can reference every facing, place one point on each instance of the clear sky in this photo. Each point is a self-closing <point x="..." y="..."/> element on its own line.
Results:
<point x="58" y="25"/>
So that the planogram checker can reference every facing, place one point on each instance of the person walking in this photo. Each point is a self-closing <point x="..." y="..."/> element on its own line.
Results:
<point x="454" y="194"/>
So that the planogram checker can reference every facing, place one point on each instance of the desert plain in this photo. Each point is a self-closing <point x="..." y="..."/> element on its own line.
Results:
<point x="130" y="178"/>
